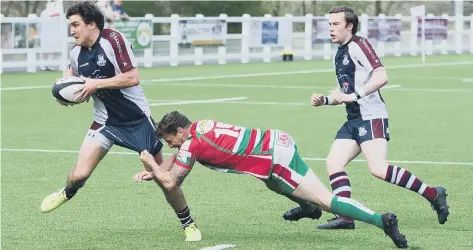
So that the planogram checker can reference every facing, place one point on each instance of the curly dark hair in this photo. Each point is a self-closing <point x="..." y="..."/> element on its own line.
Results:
<point x="350" y="16"/>
<point x="89" y="13"/>
<point x="170" y="122"/>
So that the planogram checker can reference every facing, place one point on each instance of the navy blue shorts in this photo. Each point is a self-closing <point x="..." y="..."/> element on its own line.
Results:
<point x="364" y="130"/>
<point x="137" y="135"/>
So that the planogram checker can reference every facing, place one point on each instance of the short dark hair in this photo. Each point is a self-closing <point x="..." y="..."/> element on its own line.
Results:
<point x="170" y="122"/>
<point x="89" y="13"/>
<point x="350" y="16"/>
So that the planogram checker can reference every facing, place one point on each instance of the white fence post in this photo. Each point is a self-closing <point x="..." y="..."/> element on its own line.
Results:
<point x="31" y="54"/>
<point x="65" y="47"/>
<point x="364" y="25"/>
<point x="444" y="47"/>
<point x="1" y="54"/>
<point x="414" y="35"/>
<point x="245" y="36"/>
<point x="397" y="44"/>
<point x="459" y="34"/>
<point x="174" y="43"/>
<point x="308" y="37"/>
<point x="471" y="33"/>
<point x="198" y="50"/>
<point x="289" y="19"/>
<point x="381" y="46"/>
<point x="148" y="53"/>
<point x="327" y="46"/>
<point x="222" y="50"/>
<point x="267" y="48"/>
<point x="429" y="44"/>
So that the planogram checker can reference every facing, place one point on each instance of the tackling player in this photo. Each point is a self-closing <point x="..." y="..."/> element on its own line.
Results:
<point x="269" y="155"/>
<point x="104" y="59"/>
<point x="360" y="75"/>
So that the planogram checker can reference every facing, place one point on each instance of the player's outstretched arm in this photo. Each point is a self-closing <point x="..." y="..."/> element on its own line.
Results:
<point x="123" y="80"/>
<point x="148" y="175"/>
<point x="170" y="179"/>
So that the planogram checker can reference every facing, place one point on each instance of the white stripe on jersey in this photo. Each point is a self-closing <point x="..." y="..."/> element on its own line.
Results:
<point x="110" y="54"/>
<point x="371" y="106"/>
<point x="239" y="140"/>
<point x="257" y="139"/>
<point x="272" y="134"/>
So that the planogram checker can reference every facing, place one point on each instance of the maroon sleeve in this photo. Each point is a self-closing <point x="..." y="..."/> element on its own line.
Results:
<point x="367" y="53"/>
<point x="122" y="51"/>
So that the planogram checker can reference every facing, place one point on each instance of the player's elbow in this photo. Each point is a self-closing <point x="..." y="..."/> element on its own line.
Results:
<point x="170" y="185"/>
<point x="132" y="77"/>
<point x="384" y="80"/>
<point x="382" y="76"/>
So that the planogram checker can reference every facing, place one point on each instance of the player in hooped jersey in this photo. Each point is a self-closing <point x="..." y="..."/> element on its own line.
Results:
<point x="104" y="59"/>
<point x="269" y="155"/>
<point x="360" y="75"/>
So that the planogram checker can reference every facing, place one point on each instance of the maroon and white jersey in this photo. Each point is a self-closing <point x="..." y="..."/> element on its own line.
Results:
<point x="111" y="55"/>
<point x="354" y="63"/>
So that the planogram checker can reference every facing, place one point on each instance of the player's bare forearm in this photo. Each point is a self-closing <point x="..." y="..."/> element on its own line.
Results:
<point x="332" y="98"/>
<point x="164" y="177"/>
<point x="179" y="174"/>
<point x="378" y="79"/>
<point x="169" y="162"/>
<point x="123" y="80"/>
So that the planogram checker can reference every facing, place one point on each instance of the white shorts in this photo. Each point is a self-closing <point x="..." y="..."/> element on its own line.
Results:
<point x="93" y="134"/>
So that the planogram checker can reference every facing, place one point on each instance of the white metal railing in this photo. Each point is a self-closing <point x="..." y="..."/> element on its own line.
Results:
<point x="165" y="49"/>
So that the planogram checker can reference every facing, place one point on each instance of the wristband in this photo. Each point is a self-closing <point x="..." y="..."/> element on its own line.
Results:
<point x="360" y="93"/>
<point x="327" y="100"/>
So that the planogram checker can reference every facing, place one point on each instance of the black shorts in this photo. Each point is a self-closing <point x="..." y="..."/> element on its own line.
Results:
<point x="364" y="130"/>
<point x="137" y="135"/>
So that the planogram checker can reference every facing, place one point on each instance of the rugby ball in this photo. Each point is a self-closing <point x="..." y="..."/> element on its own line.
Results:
<point x="64" y="89"/>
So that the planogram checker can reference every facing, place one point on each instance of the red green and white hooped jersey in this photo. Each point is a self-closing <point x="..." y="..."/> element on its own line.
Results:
<point x="228" y="148"/>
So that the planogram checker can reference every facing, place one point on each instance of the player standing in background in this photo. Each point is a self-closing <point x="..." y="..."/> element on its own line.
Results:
<point x="105" y="60"/>
<point x="269" y="155"/>
<point x="360" y="75"/>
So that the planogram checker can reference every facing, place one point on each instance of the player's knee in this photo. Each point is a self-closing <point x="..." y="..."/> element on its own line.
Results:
<point x="334" y="165"/>
<point x="378" y="169"/>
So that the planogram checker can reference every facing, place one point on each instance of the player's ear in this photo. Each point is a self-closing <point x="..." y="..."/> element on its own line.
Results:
<point x="349" y="26"/>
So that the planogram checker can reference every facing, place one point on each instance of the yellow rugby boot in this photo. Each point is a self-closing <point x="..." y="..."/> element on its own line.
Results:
<point x="192" y="233"/>
<point x="53" y="201"/>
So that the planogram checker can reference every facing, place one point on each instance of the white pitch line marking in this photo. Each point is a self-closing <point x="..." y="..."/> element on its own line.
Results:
<point x="218" y="247"/>
<point x="305" y="158"/>
<point x="229" y="76"/>
<point x="172" y="103"/>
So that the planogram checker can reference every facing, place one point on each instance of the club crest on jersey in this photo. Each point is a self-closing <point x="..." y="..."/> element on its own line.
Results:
<point x="283" y="140"/>
<point x="101" y="60"/>
<point x="204" y="126"/>
<point x="362" y="131"/>
<point x="184" y="156"/>
<point x="345" y="60"/>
